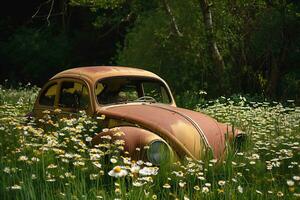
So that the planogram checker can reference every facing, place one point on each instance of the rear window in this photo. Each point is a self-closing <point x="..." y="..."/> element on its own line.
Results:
<point x="48" y="96"/>
<point x="74" y="95"/>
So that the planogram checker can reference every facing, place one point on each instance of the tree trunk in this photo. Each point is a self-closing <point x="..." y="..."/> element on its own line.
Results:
<point x="63" y="10"/>
<point x="169" y="12"/>
<point x="213" y="48"/>
<point x="273" y="78"/>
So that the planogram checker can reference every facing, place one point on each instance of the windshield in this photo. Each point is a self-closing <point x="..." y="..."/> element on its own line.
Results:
<point x="131" y="89"/>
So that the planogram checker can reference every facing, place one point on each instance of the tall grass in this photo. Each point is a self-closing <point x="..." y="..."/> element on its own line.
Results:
<point x="55" y="160"/>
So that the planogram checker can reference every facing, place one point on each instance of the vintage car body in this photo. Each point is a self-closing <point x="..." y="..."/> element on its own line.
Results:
<point x="166" y="130"/>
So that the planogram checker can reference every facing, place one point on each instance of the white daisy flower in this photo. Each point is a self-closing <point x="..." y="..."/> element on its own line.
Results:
<point x="148" y="171"/>
<point x="118" y="172"/>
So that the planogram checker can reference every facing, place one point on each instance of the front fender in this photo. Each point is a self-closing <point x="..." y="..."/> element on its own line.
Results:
<point x="135" y="139"/>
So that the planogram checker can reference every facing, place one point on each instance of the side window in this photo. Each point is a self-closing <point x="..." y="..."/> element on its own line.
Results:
<point x="48" y="96"/>
<point x="128" y="93"/>
<point x="74" y="95"/>
<point x="156" y="91"/>
<point x="116" y="90"/>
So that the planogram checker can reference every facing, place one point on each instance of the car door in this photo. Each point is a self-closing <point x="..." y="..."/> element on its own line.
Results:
<point x="73" y="96"/>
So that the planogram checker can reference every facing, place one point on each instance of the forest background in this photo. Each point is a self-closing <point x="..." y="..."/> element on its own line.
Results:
<point x="222" y="47"/>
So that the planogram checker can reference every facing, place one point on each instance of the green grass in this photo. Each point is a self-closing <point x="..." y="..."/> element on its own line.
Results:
<point x="55" y="161"/>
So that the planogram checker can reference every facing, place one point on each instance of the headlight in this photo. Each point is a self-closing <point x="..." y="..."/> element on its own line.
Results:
<point x="159" y="152"/>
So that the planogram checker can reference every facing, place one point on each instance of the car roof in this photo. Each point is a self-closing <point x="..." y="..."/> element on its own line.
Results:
<point x="94" y="73"/>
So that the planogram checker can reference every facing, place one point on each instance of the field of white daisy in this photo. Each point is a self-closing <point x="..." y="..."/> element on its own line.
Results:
<point x="55" y="160"/>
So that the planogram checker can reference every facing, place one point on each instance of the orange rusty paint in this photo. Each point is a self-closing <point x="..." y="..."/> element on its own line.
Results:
<point x="187" y="132"/>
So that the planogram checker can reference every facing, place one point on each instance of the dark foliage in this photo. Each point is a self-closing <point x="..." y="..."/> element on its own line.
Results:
<point x="258" y="40"/>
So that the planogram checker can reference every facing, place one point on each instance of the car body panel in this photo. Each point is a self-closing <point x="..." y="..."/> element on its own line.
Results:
<point x="188" y="130"/>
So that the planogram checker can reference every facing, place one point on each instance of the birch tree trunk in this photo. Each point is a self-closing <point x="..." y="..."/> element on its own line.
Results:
<point x="169" y="12"/>
<point x="213" y="48"/>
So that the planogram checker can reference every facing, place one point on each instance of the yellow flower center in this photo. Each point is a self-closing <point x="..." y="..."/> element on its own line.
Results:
<point x="117" y="169"/>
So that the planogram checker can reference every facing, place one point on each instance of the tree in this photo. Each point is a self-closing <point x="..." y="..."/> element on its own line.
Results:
<point x="217" y="58"/>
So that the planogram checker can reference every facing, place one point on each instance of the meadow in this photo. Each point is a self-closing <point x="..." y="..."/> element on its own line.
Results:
<point x="54" y="160"/>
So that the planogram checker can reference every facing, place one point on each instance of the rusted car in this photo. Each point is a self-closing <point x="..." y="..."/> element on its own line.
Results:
<point x="138" y="103"/>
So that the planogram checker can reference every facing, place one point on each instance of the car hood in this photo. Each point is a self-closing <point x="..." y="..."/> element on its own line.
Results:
<point x="188" y="132"/>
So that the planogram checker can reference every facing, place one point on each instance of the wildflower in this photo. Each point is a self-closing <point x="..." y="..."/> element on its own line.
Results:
<point x="16" y="187"/>
<point x="35" y="159"/>
<point x="254" y="156"/>
<point x="296" y="178"/>
<point x="147" y="179"/>
<point x="57" y="110"/>
<point x="95" y="156"/>
<point x="178" y="174"/>
<point x="88" y="139"/>
<point x="258" y="192"/>
<point x="117" y="190"/>
<point x="167" y="186"/>
<point x="65" y="160"/>
<point x="148" y="171"/>
<point x="119" y="134"/>
<point x="182" y="184"/>
<point x="127" y="160"/>
<point x="46" y="112"/>
<point x="240" y="189"/>
<point x="137" y="184"/>
<point x="269" y="167"/>
<point x="221" y="183"/>
<point x="207" y="184"/>
<point x="185" y="198"/>
<point x="113" y="160"/>
<point x="51" y="180"/>
<point x="280" y="194"/>
<point x="97" y="164"/>
<point x="118" y="172"/>
<point x="205" y="190"/>
<point x="69" y="175"/>
<point x="291" y="189"/>
<point x="146" y="193"/>
<point x="135" y="169"/>
<point x="290" y="183"/>
<point x="33" y="176"/>
<point x="220" y="190"/>
<point x="94" y="176"/>
<point x="23" y="158"/>
<point x="140" y="162"/>
<point x="252" y="162"/>
<point x="78" y="163"/>
<point x="196" y="187"/>
<point x="52" y="166"/>
<point x="154" y="196"/>
<point x="108" y="137"/>
<point x="6" y="170"/>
